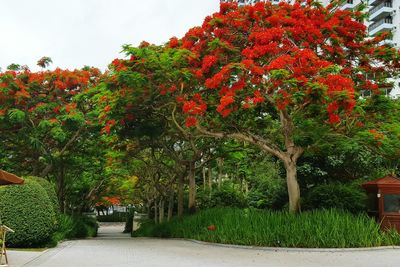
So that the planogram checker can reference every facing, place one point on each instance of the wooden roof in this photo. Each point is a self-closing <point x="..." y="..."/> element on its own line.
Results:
<point x="387" y="181"/>
<point x="9" y="178"/>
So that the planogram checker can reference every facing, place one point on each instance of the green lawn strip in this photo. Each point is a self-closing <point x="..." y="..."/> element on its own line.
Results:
<point x="28" y="249"/>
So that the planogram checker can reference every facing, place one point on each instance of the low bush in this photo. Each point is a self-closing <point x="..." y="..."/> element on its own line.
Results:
<point x="71" y="227"/>
<point x="317" y="229"/>
<point x="114" y="217"/>
<point x="83" y="227"/>
<point x="226" y="196"/>
<point x="348" y="197"/>
<point x="28" y="210"/>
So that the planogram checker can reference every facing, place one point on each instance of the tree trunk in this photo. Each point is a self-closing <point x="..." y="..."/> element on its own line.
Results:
<point x="289" y="159"/>
<point x="220" y="162"/>
<point x="292" y="186"/>
<point x="148" y="206"/>
<point x="170" y="205"/>
<point x="180" y="195"/>
<point x="162" y="211"/>
<point x="192" y="188"/>
<point x="210" y="178"/>
<point x="61" y="189"/>
<point x="204" y="178"/>
<point x="289" y="156"/>
<point x="156" y="211"/>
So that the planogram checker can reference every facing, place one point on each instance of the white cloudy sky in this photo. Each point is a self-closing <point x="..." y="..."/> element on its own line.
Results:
<point x="75" y="33"/>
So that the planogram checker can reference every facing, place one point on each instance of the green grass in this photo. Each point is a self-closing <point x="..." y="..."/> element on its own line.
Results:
<point x="316" y="229"/>
<point x="28" y="249"/>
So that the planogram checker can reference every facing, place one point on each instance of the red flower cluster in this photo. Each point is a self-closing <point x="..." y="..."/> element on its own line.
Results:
<point x="60" y="85"/>
<point x="196" y="106"/>
<point x="266" y="35"/>
<point x="118" y="64"/>
<point x="338" y="84"/>
<point x="70" y="107"/>
<point x="208" y="62"/>
<point x="218" y="78"/>
<point x="240" y="49"/>
<point x="173" y="42"/>
<point x="108" y="126"/>
<point x="107" y="109"/>
<point x="283" y="100"/>
<point x="224" y="102"/>
<point x="334" y="119"/>
<point x="190" y="121"/>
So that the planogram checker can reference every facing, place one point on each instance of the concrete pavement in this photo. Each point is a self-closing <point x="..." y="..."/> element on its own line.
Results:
<point x="112" y="248"/>
<point x="18" y="258"/>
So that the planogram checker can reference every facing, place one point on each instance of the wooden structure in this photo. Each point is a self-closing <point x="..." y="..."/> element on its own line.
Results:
<point x="6" y="178"/>
<point x="384" y="201"/>
<point x="3" y="253"/>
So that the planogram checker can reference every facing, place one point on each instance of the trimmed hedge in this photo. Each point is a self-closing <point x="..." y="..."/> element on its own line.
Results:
<point x="27" y="210"/>
<point x="114" y="217"/>
<point x="50" y="190"/>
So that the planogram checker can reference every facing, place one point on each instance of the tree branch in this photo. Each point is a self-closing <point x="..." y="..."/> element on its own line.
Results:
<point x="258" y="141"/>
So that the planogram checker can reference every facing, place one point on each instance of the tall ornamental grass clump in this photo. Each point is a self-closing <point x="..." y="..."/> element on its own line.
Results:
<point x="313" y="229"/>
<point x="72" y="227"/>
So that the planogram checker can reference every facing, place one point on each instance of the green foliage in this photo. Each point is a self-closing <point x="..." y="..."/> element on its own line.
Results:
<point x="27" y="210"/>
<point x="267" y="188"/>
<point x="44" y="62"/>
<point x="16" y="115"/>
<point x="348" y="197"/>
<point x="14" y="66"/>
<point x="341" y="160"/>
<point x="58" y="134"/>
<point x="267" y="192"/>
<point x="317" y="229"/>
<point x="226" y="196"/>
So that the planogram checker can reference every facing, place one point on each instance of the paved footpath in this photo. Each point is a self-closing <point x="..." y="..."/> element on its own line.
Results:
<point x="112" y="248"/>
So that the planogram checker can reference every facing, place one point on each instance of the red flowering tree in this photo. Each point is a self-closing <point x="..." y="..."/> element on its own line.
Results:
<point x="138" y="100"/>
<point x="282" y="77"/>
<point x="42" y="117"/>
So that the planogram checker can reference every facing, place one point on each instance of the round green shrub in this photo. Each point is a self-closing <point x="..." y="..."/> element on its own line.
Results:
<point x="50" y="190"/>
<point x="27" y="210"/>
<point x="348" y="197"/>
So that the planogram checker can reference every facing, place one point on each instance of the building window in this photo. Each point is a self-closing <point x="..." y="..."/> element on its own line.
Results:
<point x="392" y="203"/>
<point x="372" y="204"/>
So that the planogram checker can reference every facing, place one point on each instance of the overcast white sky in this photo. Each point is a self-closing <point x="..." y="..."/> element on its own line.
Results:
<point x="75" y="33"/>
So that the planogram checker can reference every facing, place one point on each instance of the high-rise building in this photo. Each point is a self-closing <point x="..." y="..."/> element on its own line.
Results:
<point x="384" y="15"/>
<point x="249" y="2"/>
